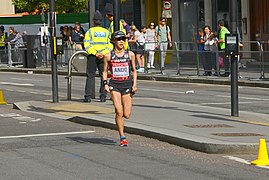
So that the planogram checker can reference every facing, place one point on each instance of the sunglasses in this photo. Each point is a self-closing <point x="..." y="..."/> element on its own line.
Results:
<point x="163" y="21"/>
<point x="121" y="39"/>
<point x="152" y="25"/>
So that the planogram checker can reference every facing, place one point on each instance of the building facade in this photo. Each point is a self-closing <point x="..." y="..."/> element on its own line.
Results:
<point x="6" y="7"/>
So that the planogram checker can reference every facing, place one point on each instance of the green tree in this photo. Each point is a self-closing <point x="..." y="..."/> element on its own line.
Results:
<point x="62" y="6"/>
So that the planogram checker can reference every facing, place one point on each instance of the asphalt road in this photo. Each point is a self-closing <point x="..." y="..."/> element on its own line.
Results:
<point x="38" y="87"/>
<point x="33" y="146"/>
<point x="37" y="147"/>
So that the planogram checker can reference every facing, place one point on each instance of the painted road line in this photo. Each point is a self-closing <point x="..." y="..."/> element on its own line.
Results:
<point x="9" y="89"/>
<point x="21" y="91"/>
<point x="48" y="134"/>
<point x="248" y="98"/>
<point x="244" y="161"/>
<point x="225" y="103"/>
<point x="160" y="90"/>
<point x="16" y="84"/>
<point x="23" y="79"/>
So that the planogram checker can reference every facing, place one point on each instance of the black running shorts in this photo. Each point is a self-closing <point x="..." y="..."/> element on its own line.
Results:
<point x="123" y="87"/>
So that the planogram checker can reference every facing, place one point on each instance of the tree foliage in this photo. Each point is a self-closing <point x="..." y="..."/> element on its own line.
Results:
<point x="62" y="6"/>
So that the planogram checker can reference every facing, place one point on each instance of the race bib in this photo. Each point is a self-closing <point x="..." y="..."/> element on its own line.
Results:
<point x="121" y="70"/>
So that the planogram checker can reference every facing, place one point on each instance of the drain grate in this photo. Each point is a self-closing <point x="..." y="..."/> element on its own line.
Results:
<point x="236" y="134"/>
<point x="208" y="126"/>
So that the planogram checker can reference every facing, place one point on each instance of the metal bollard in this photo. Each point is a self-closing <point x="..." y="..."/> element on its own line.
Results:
<point x="69" y="77"/>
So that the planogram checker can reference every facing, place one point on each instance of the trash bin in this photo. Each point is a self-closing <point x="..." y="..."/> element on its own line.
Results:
<point x="33" y="59"/>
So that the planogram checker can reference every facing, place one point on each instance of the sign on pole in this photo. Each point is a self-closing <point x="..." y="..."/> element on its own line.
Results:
<point x="167" y="11"/>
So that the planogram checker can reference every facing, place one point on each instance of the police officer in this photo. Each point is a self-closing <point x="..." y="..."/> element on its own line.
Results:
<point x="110" y="17"/>
<point x="97" y="44"/>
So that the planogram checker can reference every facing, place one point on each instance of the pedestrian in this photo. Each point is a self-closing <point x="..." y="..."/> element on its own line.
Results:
<point x="81" y="28"/>
<point x="76" y="38"/>
<point x="207" y="53"/>
<point x="127" y="28"/>
<point x="110" y="18"/>
<point x="226" y="23"/>
<point x="139" y="39"/>
<point x="122" y="85"/>
<point x="16" y="41"/>
<point x="150" y="45"/>
<point x="2" y="45"/>
<point x="163" y="37"/>
<point x="211" y="50"/>
<point x="97" y="44"/>
<point x="221" y="42"/>
<point x="201" y="46"/>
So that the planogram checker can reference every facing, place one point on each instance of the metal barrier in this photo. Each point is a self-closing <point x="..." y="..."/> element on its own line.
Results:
<point x="70" y="65"/>
<point x="183" y="47"/>
<point x="185" y="58"/>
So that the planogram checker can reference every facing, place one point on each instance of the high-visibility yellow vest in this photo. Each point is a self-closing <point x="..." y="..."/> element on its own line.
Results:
<point x="111" y="30"/>
<point x="97" y="41"/>
<point x="2" y="40"/>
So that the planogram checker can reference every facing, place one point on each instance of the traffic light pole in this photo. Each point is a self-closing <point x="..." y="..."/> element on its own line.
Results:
<point x="234" y="63"/>
<point x="52" y="29"/>
<point x="116" y="19"/>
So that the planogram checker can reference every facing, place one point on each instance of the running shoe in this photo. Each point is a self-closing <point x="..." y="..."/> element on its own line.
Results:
<point x="123" y="143"/>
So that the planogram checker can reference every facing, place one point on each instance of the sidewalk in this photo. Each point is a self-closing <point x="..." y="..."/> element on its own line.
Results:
<point x="205" y="129"/>
<point x="201" y="128"/>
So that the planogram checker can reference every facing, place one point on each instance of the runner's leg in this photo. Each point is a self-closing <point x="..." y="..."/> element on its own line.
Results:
<point x="127" y="105"/>
<point x="116" y="98"/>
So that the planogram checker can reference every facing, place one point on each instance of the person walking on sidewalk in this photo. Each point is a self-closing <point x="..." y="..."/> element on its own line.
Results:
<point x="121" y="85"/>
<point x="163" y="37"/>
<point x="139" y="39"/>
<point x="221" y="43"/>
<point x="97" y="44"/>
<point x="150" y="45"/>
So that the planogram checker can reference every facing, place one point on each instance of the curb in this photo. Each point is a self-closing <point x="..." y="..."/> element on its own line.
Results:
<point x="211" y="148"/>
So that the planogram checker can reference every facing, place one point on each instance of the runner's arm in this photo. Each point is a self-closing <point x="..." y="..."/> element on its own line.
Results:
<point x="106" y="59"/>
<point x="132" y="57"/>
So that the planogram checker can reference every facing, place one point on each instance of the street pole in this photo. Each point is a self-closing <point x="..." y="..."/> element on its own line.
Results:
<point x="234" y="62"/>
<point x="89" y="13"/>
<point x="52" y="29"/>
<point x="116" y="13"/>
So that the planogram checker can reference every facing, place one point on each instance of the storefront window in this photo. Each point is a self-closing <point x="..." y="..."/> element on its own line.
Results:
<point x="130" y="11"/>
<point x="191" y="18"/>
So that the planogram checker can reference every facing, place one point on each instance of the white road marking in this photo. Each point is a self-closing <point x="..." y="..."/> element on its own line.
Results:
<point x="237" y="159"/>
<point x="16" y="84"/>
<point x="21" y="91"/>
<point x="224" y="103"/>
<point x="23" y="79"/>
<point x="160" y="90"/>
<point x="48" y="134"/>
<point x="248" y="98"/>
<point x="244" y="161"/>
<point x="9" y="89"/>
<point x="35" y="120"/>
<point x="20" y="117"/>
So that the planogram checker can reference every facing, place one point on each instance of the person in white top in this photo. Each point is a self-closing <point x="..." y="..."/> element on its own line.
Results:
<point x="150" y="45"/>
<point x="139" y="39"/>
<point x="210" y="47"/>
